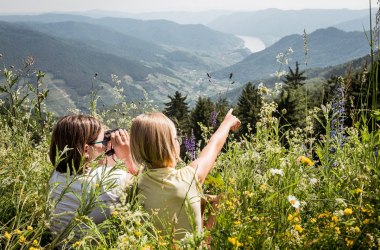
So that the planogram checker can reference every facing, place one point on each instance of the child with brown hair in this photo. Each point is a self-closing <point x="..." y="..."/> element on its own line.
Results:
<point x="77" y="144"/>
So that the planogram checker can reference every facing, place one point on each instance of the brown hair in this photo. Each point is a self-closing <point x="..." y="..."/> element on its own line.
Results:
<point x="152" y="140"/>
<point x="73" y="132"/>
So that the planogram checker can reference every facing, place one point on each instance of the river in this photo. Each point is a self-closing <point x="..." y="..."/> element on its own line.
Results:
<point x="254" y="44"/>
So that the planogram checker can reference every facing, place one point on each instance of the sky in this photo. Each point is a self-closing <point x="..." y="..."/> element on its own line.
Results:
<point x="137" y="6"/>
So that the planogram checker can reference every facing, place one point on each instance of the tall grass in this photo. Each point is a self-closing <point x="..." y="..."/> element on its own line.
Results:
<point x="317" y="192"/>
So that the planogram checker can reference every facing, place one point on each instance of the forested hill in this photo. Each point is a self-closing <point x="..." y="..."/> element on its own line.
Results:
<point x="270" y="25"/>
<point x="325" y="47"/>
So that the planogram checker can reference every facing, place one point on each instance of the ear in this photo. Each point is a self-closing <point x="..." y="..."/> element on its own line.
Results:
<point x="86" y="147"/>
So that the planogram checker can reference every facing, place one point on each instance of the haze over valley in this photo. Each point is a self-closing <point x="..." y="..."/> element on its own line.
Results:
<point x="154" y="54"/>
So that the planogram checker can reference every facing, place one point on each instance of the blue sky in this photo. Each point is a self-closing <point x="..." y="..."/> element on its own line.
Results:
<point x="37" y="6"/>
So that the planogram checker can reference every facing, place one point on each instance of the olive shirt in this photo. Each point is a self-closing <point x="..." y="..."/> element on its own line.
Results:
<point x="173" y="197"/>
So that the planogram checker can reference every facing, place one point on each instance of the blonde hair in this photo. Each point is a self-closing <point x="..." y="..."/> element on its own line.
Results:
<point x="152" y="140"/>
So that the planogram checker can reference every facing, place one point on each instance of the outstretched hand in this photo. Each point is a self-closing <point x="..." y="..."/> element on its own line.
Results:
<point x="232" y="120"/>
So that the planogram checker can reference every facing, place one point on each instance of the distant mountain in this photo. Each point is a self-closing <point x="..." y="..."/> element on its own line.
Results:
<point x="325" y="47"/>
<point x="73" y="62"/>
<point x="272" y="24"/>
<point x="191" y="36"/>
<point x="181" y="17"/>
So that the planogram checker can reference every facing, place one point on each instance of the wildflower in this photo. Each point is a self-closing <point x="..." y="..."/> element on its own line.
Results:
<point x="366" y="221"/>
<point x="17" y="231"/>
<point x="274" y="171"/>
<point x="358" y="191"/>
<point x="305" y="160"/>
<point x="293" y="201"/>
<point x="298" y="228"/>
<point x="7" y="235"/>
<point x="335" y="219"/>
<point x="313" y="181"/>
<point x="29" y="228"/>
<point x="263" y="186"/>
<point x="190" y="145"/>
<point x="347" y="211"/>
<point x="313" y="220"/>
<point x="137" y="233"/>
<point x="33" y="248"/>
<point x="77" y="244"/>
<point x="234" y="241"/>
<point x="232" y="180"/>
<point x="237" y="223"/>
<point x="35" y="243"/>
<point x="213" y="119"/>
<point x="349" y="242"/>
<point x="337" y="230"/>
<point x="115" y="213"/>
<point x="22" y="239"/>
<point x="248" y="193"/>
<point x="290" y="217"/>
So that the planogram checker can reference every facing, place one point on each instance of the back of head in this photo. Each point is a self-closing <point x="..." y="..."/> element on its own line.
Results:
<point x="151" y="139"/>
<point x="73" y="132"/>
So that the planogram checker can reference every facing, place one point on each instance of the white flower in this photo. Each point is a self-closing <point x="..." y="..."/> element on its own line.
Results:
<point x="313" y="181"/>
<point x="293" y="201"/>
<point x="274" y="171"/>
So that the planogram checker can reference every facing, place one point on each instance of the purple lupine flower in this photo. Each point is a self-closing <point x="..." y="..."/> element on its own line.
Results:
<point x="190" y="145"/>
<point x="213" y="117"/>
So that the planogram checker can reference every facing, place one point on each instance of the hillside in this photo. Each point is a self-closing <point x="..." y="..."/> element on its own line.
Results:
<point x="272" y="24"/>
<point x="314" y="76"/>
<point x="326" y="47"/>
<point x="73" y="62"/>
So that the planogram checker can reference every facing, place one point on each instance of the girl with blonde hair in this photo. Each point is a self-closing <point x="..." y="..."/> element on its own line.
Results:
<point x="173" y="195"/>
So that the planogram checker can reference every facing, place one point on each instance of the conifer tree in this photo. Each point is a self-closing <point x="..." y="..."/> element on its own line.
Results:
<point x="201" y="114"/>
<point x="248" y="108"/>
<point x="177" y="109"/>
<point x="291" y="105"/>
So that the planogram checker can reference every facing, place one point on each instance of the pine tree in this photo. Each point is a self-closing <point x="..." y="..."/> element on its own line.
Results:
<point x="291" y="105"/>
<point x="295" y="79"/>
<point x="177" y="109"/>
<point x="248" y="108"/>
<point x="201" y="114"/>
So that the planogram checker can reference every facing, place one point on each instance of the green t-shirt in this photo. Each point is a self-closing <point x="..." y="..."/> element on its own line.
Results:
<point x="173" y="197"/>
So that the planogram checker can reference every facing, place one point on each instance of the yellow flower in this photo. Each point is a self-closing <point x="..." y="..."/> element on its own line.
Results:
<point x="7" y="235"/>
<point x="337" y="230"/>
<point x="298" y="228"/>
<point x="138" y="233"/>
<point x="335" y="219"/>
<point x="249" y="194"/>
<point x="349" y="242"/>
<point x="290" y="217"/>
<point x="237" y="223"/>
<point x="313" y="220"/>
<point x="358" y="191"/>
<point x="232" y="180"/>
<point x="357" y="229"/>
<point x="17" y="231"/>
<point x="22" y="239"/>
<point x="305" y="160"/>
<point x="366" y="221"/>
<point x="33" y="248"/>
<point x="29" y="228"/>
<point x="347" y="211"/>
<point x="35" y="243"/>
<point x="263" y="186"/>
<point x="146" y="247"/>
<point x="234" y="241"/>
<point x="77" y="244"/>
